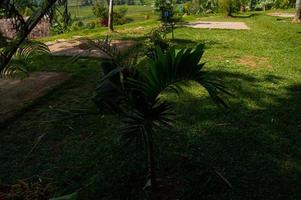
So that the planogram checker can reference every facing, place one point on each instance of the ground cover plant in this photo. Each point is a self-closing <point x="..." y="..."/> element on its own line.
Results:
<point x="255" y="145"/>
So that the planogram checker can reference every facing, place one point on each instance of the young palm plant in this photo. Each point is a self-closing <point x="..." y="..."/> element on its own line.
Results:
<point x="22" y="59"/>
<point x="135" y="93"/>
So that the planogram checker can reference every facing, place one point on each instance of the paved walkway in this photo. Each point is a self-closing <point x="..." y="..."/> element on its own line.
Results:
<point x="218" y="25"/>
<point x="286" y="15"/>
<point x="76" y="47"/>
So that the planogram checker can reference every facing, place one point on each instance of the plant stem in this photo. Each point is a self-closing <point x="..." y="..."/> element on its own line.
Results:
<point x="148" y="128"/>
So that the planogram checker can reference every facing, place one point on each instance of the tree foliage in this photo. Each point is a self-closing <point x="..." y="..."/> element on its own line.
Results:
<point x="133" y="89"/>
<point x="23" y="26"/>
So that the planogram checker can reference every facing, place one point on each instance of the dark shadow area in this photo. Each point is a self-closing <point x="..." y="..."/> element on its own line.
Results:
<point x="246" y="16"/>
<point x="256" y="148"/>
<point x="258" y="145"/>
<point x="272" y="78"/>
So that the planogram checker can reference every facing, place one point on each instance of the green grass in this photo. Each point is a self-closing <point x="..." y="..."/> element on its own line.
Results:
<point x="135" y="12"/>
<point x="256" y="145"/>
<point x="142" y="18"/>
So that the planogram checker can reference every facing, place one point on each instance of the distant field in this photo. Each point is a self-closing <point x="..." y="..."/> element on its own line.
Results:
<point x="136" y="2"/>
<point x="135" y="12"/>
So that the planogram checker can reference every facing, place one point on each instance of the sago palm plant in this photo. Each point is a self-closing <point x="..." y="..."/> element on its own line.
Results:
<point x="135" y="92"/>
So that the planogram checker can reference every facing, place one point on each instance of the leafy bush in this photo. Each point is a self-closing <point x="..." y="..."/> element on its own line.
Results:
<point x="156" y="39"/>
<point x="169" y="15"/>
<point x="165" y="8"/>
<point x="119" y="14"/>
<point x="188" y="8"/>
<point x="91" y="25"/>
<point x="101" y="11"/>
<point x="78" y="25"/>
<point x="59" y="25"/>
<point x="229" y="6"/>
<point x="207" y="6"/>
<point x="269" y="4"/>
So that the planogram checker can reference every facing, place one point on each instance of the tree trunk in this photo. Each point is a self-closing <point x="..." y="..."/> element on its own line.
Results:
<point x="110" y="22"/>
<point x="22" y="35"/>
<point x="252" y="5"/>
<point x="297" y="18"/>
<point x="148" y="129"/>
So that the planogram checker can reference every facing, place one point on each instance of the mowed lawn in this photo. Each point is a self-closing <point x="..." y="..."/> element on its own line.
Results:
<point x="134" y="12"/>
<point x="255" y="145"/>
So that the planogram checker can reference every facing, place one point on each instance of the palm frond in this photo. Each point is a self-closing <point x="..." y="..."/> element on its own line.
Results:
<point x="172" y="70"/>
<point x="22" y="59"/>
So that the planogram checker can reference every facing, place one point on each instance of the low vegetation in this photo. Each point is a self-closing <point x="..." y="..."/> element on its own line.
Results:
<point x="120" y="130"/>
<point x="254" y="145"/>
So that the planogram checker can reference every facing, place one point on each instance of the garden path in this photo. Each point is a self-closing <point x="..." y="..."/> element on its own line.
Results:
<point x="286" y="15"/>
<point x="218" y="25"/>
<point x="16" y="94"/>
<point x="77" y="47"/>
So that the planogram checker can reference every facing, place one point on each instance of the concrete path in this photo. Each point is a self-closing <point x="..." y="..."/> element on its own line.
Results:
<point x="219" y="25"/>
<point x="286" y="15"/>
<point x="76" y="47"/>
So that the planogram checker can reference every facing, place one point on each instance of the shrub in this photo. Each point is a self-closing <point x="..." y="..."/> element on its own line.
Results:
<point x="207" y="6"/>
<point x="27" y="12"/>
<point x="119" y="15"/>
<point x="229" y="6"/>
<point x="156" y="39"/>
<point x="91" y="25"/>
<point x="101" y="11"/>
<point x="77" y="25"/>
<point x="269" y="4"/>
<point x="283" y="3"/>
<point x="188" y="8"/>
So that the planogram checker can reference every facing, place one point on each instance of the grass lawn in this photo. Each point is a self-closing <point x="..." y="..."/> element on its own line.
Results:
<point x="135" y="12"/>
<point x="256" y="144"/>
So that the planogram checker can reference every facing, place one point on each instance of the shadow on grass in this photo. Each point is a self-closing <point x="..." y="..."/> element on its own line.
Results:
<point x="255" y="147"/>
<point x="246" y="16"/>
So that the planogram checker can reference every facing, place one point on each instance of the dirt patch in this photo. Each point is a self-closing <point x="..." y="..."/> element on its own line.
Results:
<point x="286" y="15"/>
<point x="219" y="25"/>
<point x="254" y="62"/>
<point x="76" y="47"/>
<point x="18" y="94"/>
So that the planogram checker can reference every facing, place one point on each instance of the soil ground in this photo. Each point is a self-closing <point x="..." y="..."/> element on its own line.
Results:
<point x="17" y="94"/>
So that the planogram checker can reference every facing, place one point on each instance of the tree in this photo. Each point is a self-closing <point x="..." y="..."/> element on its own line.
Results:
<point x="297" y="18"/>
<point x="229" y="6"/>
<point x="110" y="20"/>
<point x="134" y="93"/>
<point x="22" y="25"/>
